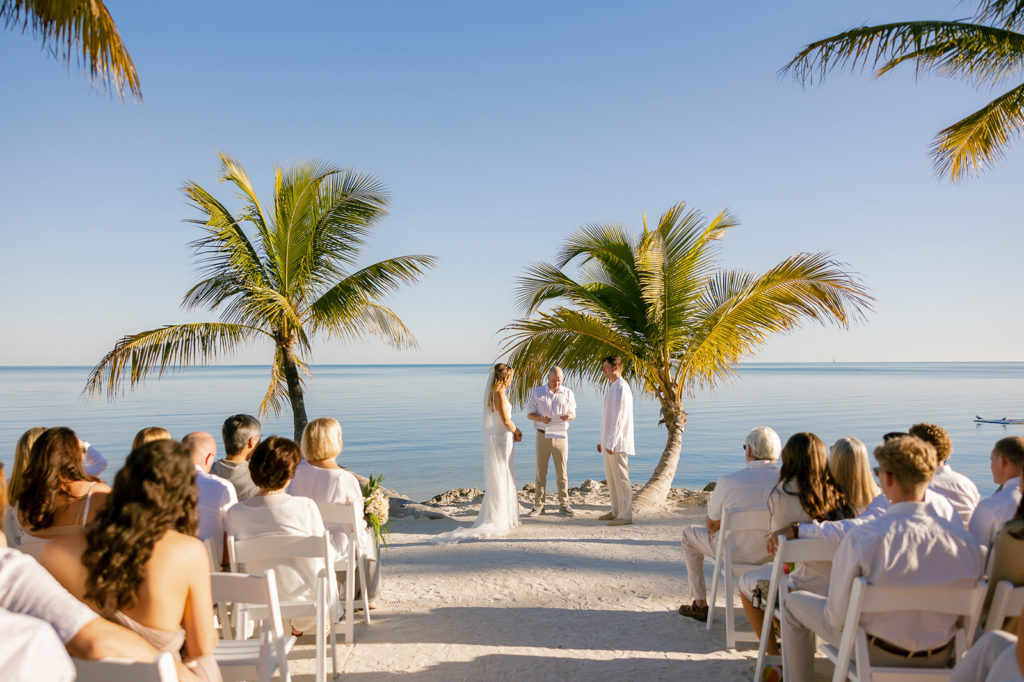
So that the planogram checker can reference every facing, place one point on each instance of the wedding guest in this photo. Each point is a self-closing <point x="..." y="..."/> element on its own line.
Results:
<point x="1006" y="559"/>
<point x="57" y="496"/>
<point x="215" y="494"/>
<point x="997" y="656"/>
<point x="140" y="564"/>
<point x="955" y="487"/>
<point x="272" y="511"/>
<point x="1007" y="461"/>
<point x="805" y="491"/>
<point x="851" y="468"/>
<point x="744" y="489"/>
<point x="148" y="435"/>
<point x="906" y="547"/>
<point x="319" y="477"/>
<point x="551" y="407"/>
<point x="617" y="442"/>
<point x="241" y="435"/>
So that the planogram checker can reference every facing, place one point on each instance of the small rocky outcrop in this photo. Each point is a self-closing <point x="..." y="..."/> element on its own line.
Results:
<point x="456" y="496"/>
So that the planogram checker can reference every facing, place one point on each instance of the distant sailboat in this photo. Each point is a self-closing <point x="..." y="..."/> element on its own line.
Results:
<point x="1003" y="420"/>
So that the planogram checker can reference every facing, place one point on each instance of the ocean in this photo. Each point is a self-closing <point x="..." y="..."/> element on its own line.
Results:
<point x="419" y="425"/>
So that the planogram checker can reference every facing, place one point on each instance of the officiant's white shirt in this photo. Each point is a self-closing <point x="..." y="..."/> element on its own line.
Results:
<point x="617" y="418"/>
<point x="553" y="404"/>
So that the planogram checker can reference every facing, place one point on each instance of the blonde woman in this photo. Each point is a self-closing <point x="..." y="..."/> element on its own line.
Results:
<point x="148" y="435"/>
<point x="320" y="478"/>
<point x="851" y="468"/>
<point x="499" y="511"/>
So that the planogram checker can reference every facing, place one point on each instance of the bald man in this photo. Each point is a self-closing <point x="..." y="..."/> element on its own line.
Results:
<point x="215" y="494"/>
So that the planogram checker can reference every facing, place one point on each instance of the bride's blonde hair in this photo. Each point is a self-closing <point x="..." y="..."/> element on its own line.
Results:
<point x="502" y="379"/>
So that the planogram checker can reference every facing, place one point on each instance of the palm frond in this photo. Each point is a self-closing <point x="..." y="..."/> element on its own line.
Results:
<point x="979" y="140"/>
<point x="1008" y="14"/>
<point x="81" y="31"/>
<point x="353" y="319"/>
<point x="267" y="308"/>
<point x="168" y="348"/>
<point x="371" y="283"/>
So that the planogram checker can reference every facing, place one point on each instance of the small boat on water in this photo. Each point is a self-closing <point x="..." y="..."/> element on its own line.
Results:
<point x="1003" y="420"/>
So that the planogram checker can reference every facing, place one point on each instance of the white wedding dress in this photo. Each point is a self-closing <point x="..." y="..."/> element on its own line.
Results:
<point x="499" y="511"/>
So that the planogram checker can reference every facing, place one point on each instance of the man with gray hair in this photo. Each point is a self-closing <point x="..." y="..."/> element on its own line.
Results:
<point x="552" y="406"/>
<point x="744" y="489"/>
<point x="241" y="434"/>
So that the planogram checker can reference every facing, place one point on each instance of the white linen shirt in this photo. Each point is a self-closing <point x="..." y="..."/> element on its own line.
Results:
<point x="995" y="510"/>
<point x="553" y="404"/>
<point x="747" y="488"/>
<point x="215" y="498"/>
<point x="905" y="547"/>
<point x="835" y="531"/>
<point x="958" y="489"/>
<point x="617" y="419"/>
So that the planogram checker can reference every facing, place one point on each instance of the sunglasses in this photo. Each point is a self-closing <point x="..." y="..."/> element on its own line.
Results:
<point x="893" y="434"/>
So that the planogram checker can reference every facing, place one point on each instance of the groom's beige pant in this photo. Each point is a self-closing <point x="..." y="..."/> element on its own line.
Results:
<point x="616" y="469"/>
<point x="558" y="450"/>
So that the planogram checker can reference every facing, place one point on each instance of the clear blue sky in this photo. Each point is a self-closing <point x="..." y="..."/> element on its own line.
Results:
<point x="499" y="128"/>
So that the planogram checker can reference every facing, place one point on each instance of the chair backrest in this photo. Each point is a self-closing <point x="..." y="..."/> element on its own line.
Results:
<point x="1007" y="601"/>
<point x="160" y="670"/>
<point x="236" y="588"/>
<point x="268" y="547"/>
<point x="336" y="514"/>
<point x="807" y="549"/>
<point x="734" y="520"/>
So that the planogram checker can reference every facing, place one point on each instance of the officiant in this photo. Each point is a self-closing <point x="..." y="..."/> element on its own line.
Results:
<point x="551" y="407"/>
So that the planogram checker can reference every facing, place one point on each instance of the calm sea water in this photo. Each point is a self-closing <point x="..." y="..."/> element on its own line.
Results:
<point x="420" y="425"/>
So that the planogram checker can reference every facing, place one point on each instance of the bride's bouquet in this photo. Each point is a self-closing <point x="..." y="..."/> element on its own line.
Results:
<point x="376" y="508"/>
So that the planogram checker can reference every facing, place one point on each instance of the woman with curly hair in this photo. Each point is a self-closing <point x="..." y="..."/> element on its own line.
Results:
<point x="56" y="495"/>
<point x="806" y="492"/>
<point x="140" y="564"/>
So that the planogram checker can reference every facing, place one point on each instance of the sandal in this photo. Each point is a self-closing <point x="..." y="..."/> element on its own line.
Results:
<point x="771" y="673"/>
<point x="691" y="610"/>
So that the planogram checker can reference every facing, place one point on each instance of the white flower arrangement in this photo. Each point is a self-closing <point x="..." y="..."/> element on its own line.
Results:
<point x="376" y="507"/>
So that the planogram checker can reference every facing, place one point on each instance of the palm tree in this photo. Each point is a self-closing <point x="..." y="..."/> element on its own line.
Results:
<point x="287" y="282"/>
<point x="79" y="29"/>
<point x="986" y="51"/>
<point x="658" y="300"/>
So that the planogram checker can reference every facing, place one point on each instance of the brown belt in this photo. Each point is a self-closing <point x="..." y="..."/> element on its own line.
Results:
<point x="900" y="651"/>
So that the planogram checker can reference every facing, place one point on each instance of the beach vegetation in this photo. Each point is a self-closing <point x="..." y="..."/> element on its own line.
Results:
<point x="659" y="300"/>
<point x="986" y="50"/>
<point x="284" y="271"/>
<point x="80" y="32"/>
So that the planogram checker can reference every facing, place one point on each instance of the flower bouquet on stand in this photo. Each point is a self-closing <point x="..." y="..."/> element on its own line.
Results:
<point x="376" y="507"/>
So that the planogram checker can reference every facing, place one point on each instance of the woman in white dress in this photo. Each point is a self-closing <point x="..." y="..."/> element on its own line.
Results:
<point x="499" y="511"/>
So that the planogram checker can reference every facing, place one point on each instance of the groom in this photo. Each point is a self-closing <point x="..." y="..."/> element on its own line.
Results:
<point x="551" y="408"/>
<point x="617" y="442"/>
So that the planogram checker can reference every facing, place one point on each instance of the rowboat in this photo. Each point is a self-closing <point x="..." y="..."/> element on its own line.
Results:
<point x="1004" y="421"/>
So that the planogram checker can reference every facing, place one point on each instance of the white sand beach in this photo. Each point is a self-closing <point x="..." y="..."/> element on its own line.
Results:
<point x="559" y="599"/>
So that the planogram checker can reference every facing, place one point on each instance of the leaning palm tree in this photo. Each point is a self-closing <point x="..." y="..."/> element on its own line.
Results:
<point x="286" y="282"/>
<point x="986" y="51"/>
<point x="658" y="300"/>
<point x="81" y="31"/>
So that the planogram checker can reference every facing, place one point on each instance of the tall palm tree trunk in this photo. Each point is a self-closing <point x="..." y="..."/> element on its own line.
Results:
<point x="291" y="376"/>
<point x="655" y="491"/>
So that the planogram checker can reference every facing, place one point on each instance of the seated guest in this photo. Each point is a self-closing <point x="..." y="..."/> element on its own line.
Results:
<point x="140" y="564"/>
<point x="320" y="478"/>
<point x="215" y="494"/>
<point x="57" y="496"/>
<point x="997" y="656"/>
<point x="272" y="511"/>
<point x="851" y="468"/>
<point x="805" y="491"/>
<point x="905" y="547"/>
<point x="241" y="434"/>
<point x="744" y="489"/>
<point x="955" y="487"/>
<point x="148" y="435"/>
<point x="1007" y="460"/>
<point x="1006" y="560"/>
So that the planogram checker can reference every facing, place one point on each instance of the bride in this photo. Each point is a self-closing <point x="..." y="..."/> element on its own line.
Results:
<point x="499" y="512"/>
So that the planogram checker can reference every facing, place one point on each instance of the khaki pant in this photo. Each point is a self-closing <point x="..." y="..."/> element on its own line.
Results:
<point x="558" y="450"/>
<point x="616" y="469"/>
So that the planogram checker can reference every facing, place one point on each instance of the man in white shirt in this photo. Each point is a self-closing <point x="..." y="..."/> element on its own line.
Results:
<point x="215" y="494"/>
<point x="905" y="547"/>
<point x="551" y="408"/>
<point x="617" y="442"/>
<point x="1007" y="461"/>
<point x="955" y="487"/>
<point x="744" y="489"/>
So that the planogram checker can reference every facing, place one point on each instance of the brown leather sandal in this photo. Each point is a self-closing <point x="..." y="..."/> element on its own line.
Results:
<point x="691" y="610"/>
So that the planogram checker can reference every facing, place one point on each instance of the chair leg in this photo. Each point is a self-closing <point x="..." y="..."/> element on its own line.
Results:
<point x="715" y="571"/>
<point x="730" y="615"/>
<point x="362" y="585"/>
<point x="350" y="601"/>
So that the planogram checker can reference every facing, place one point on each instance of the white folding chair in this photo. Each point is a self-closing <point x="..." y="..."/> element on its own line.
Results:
<point x="789" y="551"/>
<point x="733" y="521"/>
<point x="346" y="516"/>
<point x="105" y="670"/>
<point x="964" y="602"/>
<point x="1006" y="601"/>
<point x="270" y="548"/>
<point x="247" y="659"/>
